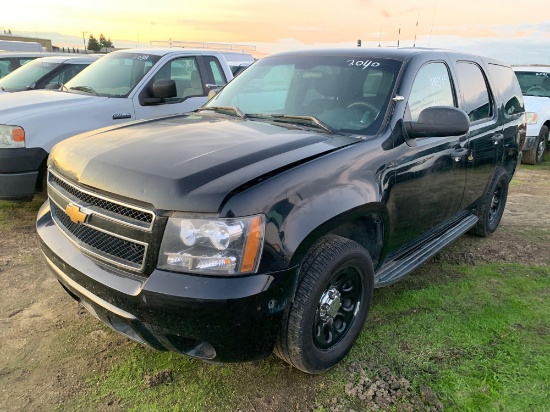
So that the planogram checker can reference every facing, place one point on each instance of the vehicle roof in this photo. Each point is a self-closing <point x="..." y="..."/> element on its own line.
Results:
<point x="545" y="69"/>
<point x="402" y="53"/>
<point x="163" y="51"/>
<point x="69" y="59"/>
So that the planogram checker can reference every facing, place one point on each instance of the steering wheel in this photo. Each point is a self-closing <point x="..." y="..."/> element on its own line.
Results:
<point x="537" y="88"/>
<point x="370" y="109"/>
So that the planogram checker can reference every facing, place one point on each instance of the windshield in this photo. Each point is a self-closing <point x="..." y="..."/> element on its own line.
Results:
<point x="25" y="76"/>
<point x="534" y="83"/>
<point x="345" y="94"/>
<point x="114" y="75"/>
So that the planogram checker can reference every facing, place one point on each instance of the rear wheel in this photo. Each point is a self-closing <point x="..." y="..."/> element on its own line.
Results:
<point x="330" y="306"/>
<point x="492" y="205"/>
<point x="536" y="154"/>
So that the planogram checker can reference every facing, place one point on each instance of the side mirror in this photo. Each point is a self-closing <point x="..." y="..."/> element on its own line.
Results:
<point x="212" y="93"/>
<point x="162" y="89"/>
<point x="438" y="121"/>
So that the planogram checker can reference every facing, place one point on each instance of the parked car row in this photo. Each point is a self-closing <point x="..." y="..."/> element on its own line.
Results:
<point x="263" y="219"/>
<point x="45" y="73"/>
<point x="119" y="87"/>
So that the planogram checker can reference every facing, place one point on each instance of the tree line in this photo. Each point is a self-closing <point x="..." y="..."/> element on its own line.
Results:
<point x="96" y="45"/>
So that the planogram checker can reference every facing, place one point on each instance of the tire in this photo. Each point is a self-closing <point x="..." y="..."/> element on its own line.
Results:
<point x="492" y="204"/>
<point x="330" y="306"/>
<point x="536" y="154"/>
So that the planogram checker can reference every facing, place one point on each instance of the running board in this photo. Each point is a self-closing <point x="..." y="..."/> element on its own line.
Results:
<point x="401" y="266"/>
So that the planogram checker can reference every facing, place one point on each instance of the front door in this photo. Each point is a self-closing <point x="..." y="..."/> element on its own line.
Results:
<point x="429" y="174"/>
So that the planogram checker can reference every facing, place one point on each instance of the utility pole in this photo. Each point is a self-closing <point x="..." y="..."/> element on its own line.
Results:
<point x="84" y="41"/>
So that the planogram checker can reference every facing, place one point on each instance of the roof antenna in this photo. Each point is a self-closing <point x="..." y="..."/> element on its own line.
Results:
<point x="379" y="37"/>
<point x="398" y="35"/>
<point x="432" y="29"/>
<point x="415" y="31"/>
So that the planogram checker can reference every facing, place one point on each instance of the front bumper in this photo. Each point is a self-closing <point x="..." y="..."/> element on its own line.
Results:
<point x="19" y="170"/>
<point x="221" y="319"/>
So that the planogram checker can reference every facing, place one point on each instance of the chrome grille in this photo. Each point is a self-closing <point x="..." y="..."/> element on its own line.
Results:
<point x="109" y="230"/>
<point x="102" y="242"/>
<point x="92" y="200"/>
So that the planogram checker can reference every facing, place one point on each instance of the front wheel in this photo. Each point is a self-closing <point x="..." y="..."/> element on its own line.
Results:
<point x="492" y="204"/>
<point x="536" y="154"/>
<point x="330" y="306"/>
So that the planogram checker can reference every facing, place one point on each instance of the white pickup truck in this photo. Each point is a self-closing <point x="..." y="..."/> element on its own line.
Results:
<point x="535" y="86"/>
<point x="120" y="87"/>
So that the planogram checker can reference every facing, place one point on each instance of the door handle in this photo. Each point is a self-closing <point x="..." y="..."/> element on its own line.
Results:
<point x="459" y="153"/>
<point x="497" y="137"/>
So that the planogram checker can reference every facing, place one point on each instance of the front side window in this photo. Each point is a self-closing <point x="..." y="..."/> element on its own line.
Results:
<point x="114" y="75"/>
<point x="350" y="94"/>
<point x="477" y="98"/>
<point x="68" y="72"/>
<point x="185" y="73"/>
<point x="431" y="87"/>
<point x="5" y="67"/>
<point x="26" y="75"/>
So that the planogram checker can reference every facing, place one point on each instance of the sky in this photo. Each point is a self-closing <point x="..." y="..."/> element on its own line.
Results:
<point x="514" y="31"/>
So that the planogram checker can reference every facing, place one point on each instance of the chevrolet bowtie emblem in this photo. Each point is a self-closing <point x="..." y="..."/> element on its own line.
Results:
<point x="75" y="213"/>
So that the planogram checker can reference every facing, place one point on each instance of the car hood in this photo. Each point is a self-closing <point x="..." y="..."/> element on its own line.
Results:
<point x="187" y="163"/>
<point x="536" y="104"/>
<point x="15" y="106"/>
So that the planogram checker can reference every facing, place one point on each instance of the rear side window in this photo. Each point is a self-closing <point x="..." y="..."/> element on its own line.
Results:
<point x="431" y="87"/>
<point x="505" y="82"/>
<point x="216" y="69"/>
<point x="477" y="98"/>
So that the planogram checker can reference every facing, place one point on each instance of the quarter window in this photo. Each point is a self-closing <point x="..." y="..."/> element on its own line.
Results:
<point x="431" y="87"/>
<point x="477" y="100"/>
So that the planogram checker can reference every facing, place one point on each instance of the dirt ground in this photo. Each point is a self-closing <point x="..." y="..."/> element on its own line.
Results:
<point x="44" y="359"/>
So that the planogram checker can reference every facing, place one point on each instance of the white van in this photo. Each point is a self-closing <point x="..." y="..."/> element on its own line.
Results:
<point x="27" y="46"/>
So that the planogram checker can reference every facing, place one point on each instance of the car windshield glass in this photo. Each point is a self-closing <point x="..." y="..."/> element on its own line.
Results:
<point x="25" y="76"/>
<point x="114" y="75"/>
<point x="345" y="93"/>
<point x="534" y="83"/>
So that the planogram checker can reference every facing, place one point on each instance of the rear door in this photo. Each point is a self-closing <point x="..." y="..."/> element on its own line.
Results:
<point x="486" y="138"/>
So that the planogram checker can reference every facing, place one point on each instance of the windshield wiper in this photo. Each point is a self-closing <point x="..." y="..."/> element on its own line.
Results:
<point x="309" y="120"/>
<point x="86" y="89"/>
<point x="225" y="110"/>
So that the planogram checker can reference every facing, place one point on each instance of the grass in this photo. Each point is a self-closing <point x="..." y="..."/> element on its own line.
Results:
<point x="19" y="213"/>
<point x="479" y="337"/>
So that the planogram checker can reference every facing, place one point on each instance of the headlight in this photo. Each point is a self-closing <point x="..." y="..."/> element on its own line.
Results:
<point x="212" y="246"/>
<point x="531" y="118"/>
<point x="11" y="136"/>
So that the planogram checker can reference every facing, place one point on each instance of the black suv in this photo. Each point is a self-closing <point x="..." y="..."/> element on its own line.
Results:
<point x="264" y="220"/>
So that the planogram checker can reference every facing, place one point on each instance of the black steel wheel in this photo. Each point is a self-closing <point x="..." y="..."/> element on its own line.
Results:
<point x="492" y="204"/>
<point x="330" y="306"/>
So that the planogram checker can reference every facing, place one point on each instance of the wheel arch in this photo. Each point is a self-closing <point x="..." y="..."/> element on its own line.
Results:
<point x="365" y="224"/>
